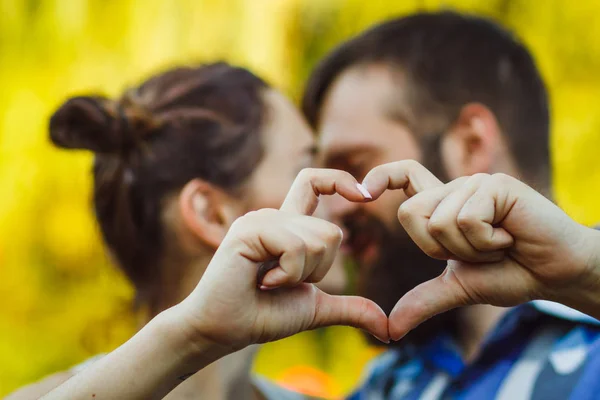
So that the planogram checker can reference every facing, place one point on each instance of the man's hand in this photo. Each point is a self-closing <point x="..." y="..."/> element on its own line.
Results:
<point x="505" y="244"/>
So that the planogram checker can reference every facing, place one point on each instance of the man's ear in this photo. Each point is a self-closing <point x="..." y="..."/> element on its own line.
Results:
<point x="206" y="212"/>
<point x="471" y="144"/>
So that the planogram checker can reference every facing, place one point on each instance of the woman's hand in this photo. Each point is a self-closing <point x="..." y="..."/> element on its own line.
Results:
<point x="229" y="309"/>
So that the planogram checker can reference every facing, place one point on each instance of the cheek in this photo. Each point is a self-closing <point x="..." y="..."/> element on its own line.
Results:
<point x="270" y="194"/>
<point x="269" y="187"/>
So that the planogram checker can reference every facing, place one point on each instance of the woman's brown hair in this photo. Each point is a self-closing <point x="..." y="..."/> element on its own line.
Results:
<point x="183" y="124"/>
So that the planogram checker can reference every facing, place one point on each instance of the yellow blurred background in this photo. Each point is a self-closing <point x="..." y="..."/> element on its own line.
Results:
<point x="61" y="301"/>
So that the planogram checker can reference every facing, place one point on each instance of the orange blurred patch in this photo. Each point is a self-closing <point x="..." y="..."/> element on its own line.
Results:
<point x="310" y="381"/>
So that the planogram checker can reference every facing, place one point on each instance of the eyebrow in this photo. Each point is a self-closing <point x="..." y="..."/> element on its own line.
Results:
<point x="400" y="116"/>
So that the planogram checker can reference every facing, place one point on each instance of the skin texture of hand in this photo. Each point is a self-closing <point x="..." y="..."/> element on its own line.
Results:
<point x="227" y="308"/>
<point x="505" y="244"/>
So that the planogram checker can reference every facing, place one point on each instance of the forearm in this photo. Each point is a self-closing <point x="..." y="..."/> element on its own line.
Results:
<point x="148" y="366"/>
<point x="237" y="372"/>
<point x="227" y="378"/>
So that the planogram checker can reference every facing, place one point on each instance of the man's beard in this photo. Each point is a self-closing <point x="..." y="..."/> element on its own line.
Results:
<point x="401" y="265"/>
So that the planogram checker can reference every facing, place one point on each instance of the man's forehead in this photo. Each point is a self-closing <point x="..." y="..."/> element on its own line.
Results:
<point x="344" y="143"/>
<point x="360" y="98"/>
<point x="361" y="86"/>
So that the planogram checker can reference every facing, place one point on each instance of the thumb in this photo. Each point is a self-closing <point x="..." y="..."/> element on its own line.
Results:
<point x="354" y="311"/>
<point x="425" y="301"/>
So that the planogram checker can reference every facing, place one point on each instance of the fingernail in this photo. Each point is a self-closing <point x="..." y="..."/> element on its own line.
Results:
<point x="364" y="191"/>
<point x="263" y="287"/>
<point x="381" y="340"/>
<point x="399" y="338"/>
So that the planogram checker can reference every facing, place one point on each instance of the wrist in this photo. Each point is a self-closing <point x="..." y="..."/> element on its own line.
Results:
<point x="585" y="295"/>
<point x="193" y="350"/>
<point x="590" y="282"/>
<point x="595" y="257"/>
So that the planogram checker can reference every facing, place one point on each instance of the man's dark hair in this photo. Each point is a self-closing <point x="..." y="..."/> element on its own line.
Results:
<point x="449" y="60"/>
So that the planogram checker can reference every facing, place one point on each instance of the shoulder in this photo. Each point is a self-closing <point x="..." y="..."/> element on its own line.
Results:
<point x="559" y="361"/>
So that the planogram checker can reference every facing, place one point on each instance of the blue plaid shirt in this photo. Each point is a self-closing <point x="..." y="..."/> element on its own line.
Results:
<point x="530" y="355"/>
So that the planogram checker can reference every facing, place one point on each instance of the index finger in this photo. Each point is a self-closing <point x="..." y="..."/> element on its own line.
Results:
<point x="408" y="175"/>
<point x="303" y="197"/>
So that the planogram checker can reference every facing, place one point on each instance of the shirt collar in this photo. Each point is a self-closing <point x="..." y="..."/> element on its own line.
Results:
<point x="563" y="312"/>
<point x="444" y="353"/>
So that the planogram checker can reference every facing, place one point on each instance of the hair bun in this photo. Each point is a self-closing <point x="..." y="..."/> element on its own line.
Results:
<point x="85" y="123"/>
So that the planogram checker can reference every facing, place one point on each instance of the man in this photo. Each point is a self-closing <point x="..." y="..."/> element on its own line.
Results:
<point x="463" y="96"/>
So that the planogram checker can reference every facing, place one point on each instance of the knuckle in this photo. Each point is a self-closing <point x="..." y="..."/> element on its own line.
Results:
<point x="341" y="174"/>
<point x="437" y="226"/>
<point x="478" y="178"/>
<point x="334" y="233"/>
<point x="501" y="178"/>
<point x="407" y="210"/>
<point x="317" y="276"/>
<point x="257" y="214"/>
<point x="480" y="175"/>
<point x="403" y="215"/>
<point x="295" y="269"/>
<point x="240" y="224"/>
<point x="319" y="249"/>
<point x="435" y="251"/>
<point x="466" y="221"/>
<point x="307" y="173"/>
<point x="439" y="254"/>
<point x="295" y="274"/>
<point x="296" y="246"/>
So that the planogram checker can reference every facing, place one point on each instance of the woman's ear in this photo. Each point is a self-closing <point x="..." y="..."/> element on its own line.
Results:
<point x="206" y="211"/>
<point x="471" y="145"/>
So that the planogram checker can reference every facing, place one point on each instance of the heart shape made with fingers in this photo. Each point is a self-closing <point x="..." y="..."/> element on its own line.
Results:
<point x="457" y="222"/>
<point x="303" y="196"/>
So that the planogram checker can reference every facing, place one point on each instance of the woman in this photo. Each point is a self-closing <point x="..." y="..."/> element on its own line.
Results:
<point x="227" y="311"/>
<point x="177" y="160"/>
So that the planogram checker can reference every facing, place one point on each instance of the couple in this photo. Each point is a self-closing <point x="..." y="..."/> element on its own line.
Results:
<point x="183" y="156"/>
